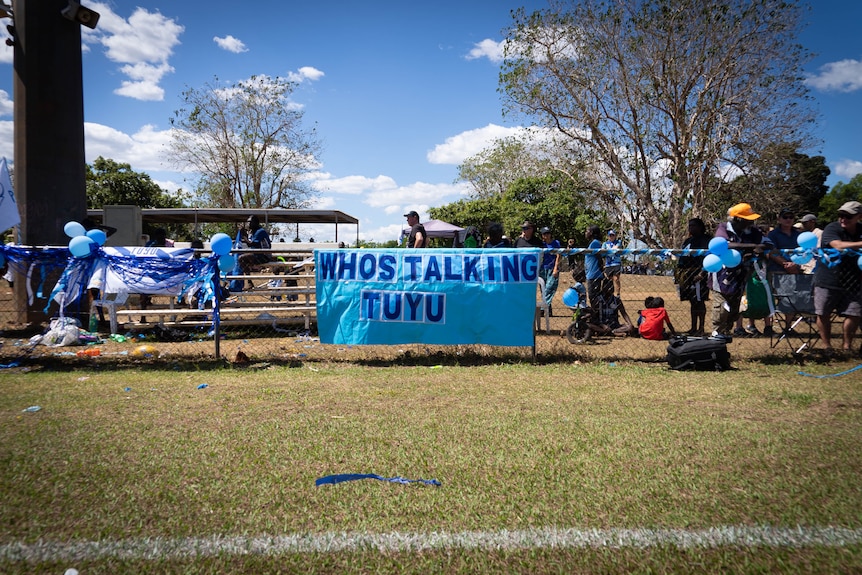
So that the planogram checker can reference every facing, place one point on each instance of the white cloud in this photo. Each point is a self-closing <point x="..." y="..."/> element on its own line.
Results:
<point x="848" y="168"/>
<point x="381" y="234"/>
<point x="842" y="76"/>
<point x="415" y="194"/>
<point x="146" y="91"/>
<point x="170" y="185"/>
<point x="144" y="150"/>
<point x="144" y="84"/>
<point x="487" y="49"/>
<point x="7" y="139"/>
<point x="324" y="203"/>
<point x="305" y="73"/>
<point x="143" y="43"/>
<point x="7" y="53"/>
<point x="354" y="185"/>
<point x="458" y="148"/>
<point x="6" y="105"/>
<point x="230" y="44"/>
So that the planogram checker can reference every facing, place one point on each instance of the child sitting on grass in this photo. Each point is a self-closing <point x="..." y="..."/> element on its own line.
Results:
<point x="653" y="318"/>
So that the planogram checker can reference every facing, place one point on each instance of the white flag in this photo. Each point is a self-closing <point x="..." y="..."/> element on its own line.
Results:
<point x="9" y="216"/>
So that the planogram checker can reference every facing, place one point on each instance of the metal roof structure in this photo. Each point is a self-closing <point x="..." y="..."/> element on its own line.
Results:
<point x="236" y="215"/>
<point x="267" y="216"/>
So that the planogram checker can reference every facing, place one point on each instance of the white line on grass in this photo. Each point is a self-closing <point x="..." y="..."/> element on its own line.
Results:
<point x="163" y="548"/>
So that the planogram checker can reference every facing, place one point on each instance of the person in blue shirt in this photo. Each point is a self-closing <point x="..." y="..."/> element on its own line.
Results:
<point x="613" y="263"/>
<point x="593" y="264"/>
<point x="258" y="239"/>
<point x="783" y="237"/>
<point x="550" y="271"/>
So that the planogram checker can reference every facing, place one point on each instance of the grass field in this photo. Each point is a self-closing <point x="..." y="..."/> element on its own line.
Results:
<point x="554" y="467"/>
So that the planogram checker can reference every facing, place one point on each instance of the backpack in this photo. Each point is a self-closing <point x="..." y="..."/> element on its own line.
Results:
<point x="470" y="237"/>
<point x="698" y="353"/>
<point x="757" y="300"/>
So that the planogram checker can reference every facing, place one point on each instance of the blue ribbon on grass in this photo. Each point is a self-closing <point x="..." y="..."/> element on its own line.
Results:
<point x="851" y="370"/>
<point x="341" y="477"/>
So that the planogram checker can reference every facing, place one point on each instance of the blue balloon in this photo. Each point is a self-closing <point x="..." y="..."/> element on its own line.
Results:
<point x="718" y="246"/>
<point x="221" y="244"/>
<point x="571" y="297"/>
<point x="226" y="262"/>
<point x="97" y="236"/>
<point x="807" y="240"/>
<point x="81" y="246"/>
<point x="74" y="229"/>
<point x="731" y="258"/>
<point x="712" y="263"/>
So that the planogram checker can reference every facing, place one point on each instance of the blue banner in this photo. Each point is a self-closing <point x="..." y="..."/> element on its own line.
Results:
<point x="434" y="296"/>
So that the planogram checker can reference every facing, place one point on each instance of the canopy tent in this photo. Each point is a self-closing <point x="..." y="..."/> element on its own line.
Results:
<point x="437" y="229"/>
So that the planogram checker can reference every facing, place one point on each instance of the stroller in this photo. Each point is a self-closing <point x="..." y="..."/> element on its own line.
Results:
<point x="575" y="298"/>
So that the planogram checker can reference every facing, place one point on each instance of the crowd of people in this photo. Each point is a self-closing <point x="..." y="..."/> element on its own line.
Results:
<point x="837" y="285"/>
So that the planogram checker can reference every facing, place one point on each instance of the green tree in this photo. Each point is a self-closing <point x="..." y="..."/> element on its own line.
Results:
<point x="838" y="195"/>
<point x="114" y="183"/>
<point x="248" y="143"/>
<point x="477" y="212"/>
<point x="553" y="200"/>
<point x="491" y="171"/>
<point x="660" y="97"/>
<point x="783" y="177"/>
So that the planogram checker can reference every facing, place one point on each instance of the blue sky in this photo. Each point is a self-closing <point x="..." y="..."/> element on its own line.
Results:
<point x="401" y="92"/>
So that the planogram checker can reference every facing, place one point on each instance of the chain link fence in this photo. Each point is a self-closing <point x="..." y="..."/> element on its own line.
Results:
<point x="273" y="318"/>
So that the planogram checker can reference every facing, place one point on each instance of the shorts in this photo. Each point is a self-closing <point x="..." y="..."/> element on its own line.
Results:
<point x="842" y="302"/>
<point x="611" y="271"/>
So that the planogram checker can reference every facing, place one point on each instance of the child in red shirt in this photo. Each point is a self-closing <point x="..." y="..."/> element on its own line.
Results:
<point x="653" y="318"/>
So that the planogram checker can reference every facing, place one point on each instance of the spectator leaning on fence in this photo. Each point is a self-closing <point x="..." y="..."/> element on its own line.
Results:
<point x="613" y="262"/>
<point x="496" y="239"/>
<point x="593" y="264"/>
<point x="691" y="277"/>
<point x="809" y="224"/>
<point x="550" y="271"/>
<point x="728" y="284"/>
<point x="783" y="237"/>
<point x="528" y="238"/>
<point x="839" y="288"/>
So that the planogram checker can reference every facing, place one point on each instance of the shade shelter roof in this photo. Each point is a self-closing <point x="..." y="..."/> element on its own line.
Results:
<point x="237" y="215"/>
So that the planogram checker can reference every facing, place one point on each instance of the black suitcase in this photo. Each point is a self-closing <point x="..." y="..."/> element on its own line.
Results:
<point x="698" y="353"/>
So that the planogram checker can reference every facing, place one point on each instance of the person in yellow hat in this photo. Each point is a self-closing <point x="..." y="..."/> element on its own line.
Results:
<point x="728" y="284"/>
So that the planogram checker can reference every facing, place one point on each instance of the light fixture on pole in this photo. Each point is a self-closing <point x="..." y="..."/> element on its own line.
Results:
<point x="77" y="13"/>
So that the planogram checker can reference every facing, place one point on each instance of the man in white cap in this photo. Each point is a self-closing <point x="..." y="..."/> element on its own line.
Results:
<point x="728" y="284"/>
<point x="808" y="223"/>
<point x="839" y="288"/>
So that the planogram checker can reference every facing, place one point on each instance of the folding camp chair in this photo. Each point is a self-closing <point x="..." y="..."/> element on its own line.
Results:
<point x="542" y="308"/>
<point x="794" y="311"/>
